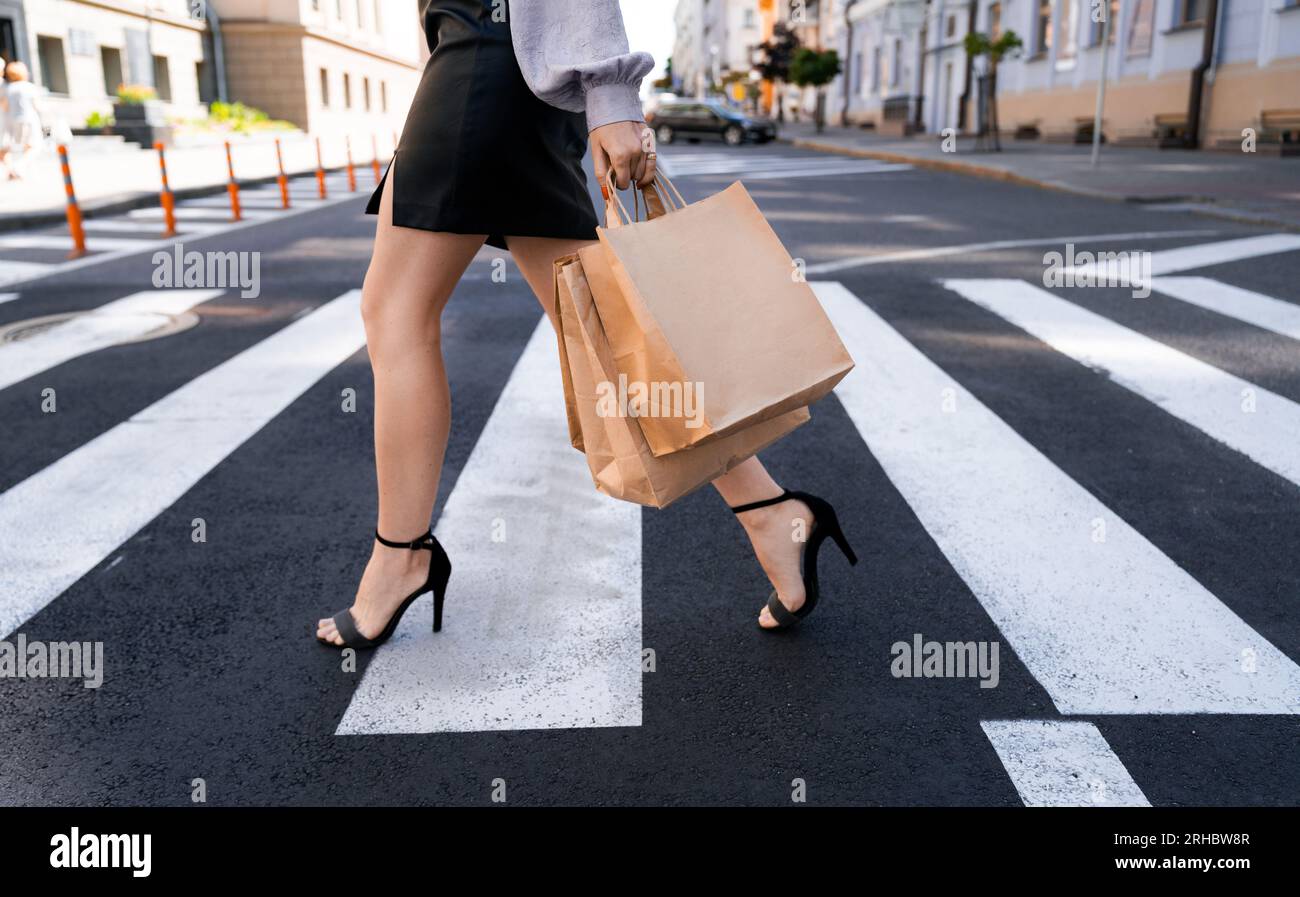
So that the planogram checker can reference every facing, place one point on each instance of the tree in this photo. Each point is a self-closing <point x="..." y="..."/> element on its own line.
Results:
<point x="979" y="44"/>
<point x="775" y="55"/>
<point x="811" y="68"/>
<point x="666" y="82"/>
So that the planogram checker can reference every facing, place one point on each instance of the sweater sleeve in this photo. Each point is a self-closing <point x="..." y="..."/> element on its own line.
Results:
<point x="574" y="55"/>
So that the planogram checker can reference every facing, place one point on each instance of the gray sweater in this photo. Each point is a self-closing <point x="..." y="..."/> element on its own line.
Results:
<point x="574" y="55"/>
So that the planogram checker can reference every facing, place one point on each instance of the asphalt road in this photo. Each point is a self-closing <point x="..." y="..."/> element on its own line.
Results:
<point x="1097" y="501"/>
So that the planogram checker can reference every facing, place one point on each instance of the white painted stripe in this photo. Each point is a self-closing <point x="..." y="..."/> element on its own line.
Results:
<point x="22" y="272"/>
<point x="114" y="225"/>
<point x="8" y="297"/>
<point x="1057" y="763"/>
<point x="64" y="520"/>
<point x="1209" y="399"/>
<point x="768" y="163"/>
<point x="931" y="252"/>
<point x="824" y="172"/>
<point x="122" y="319"/>
<point x="17" y="272"/>
<point x="64" y="242"/>
<point x="543" y="628"/>
<point x="1234" y="302"/>
<point x="1105" y="627"/>
<point x="187" y="214"/>
<point x="1169" y="261"/>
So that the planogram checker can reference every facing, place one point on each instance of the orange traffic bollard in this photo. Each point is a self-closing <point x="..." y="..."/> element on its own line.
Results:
<point x="320" y="171"/>
<point x="374" y="156"/>
<point x="352" y="174"/>
<point x="168" y="201"/>
<point x="74" y="211"/>
<point x="284" y="181"/>
<point x="233" y="187"/>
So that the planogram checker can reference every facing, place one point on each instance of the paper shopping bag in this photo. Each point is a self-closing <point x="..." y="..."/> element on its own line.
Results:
<point x="618" y="455"/>
<point x="710" y="323"/>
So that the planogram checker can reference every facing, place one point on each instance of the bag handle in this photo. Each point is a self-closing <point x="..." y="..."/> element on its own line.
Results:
<point x="658" y="201"/>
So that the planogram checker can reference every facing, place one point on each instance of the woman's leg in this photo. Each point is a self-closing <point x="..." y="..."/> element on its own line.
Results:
<point x="411" y="275"/>
<point x="777" y="532"/>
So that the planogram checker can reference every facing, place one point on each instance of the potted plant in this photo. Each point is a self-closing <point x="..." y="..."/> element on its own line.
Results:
<point x="139" y="116"/>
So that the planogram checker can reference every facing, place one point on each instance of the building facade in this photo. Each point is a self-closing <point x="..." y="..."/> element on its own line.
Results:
<point x="910" y="54"/>
<point x="714" y="38"/>
<point x="81" y="51"/>
<point x="328" y="66"/>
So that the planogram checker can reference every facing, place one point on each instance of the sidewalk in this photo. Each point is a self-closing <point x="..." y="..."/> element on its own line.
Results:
<point x="110" y="181"/>
<point x="1242" y="186"/>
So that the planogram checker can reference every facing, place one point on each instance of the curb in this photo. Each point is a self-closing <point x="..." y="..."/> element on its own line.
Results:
<point x="970" y="169"/>
<point x="104" y="207"/>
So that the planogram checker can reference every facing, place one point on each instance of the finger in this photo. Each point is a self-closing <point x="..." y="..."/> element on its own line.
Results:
<point x="622" y="172"/>
<point x="648" y="170"/>
<point x="638" y="171"/>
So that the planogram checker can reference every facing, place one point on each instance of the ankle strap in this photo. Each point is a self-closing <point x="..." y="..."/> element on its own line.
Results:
<point x="425" y="541"/>
<point x="754" y="505"/>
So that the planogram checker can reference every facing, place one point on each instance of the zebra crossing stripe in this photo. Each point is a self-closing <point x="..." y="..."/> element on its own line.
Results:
<point x="1204" y="255"/>
<point x="1234" y="302"/>
<point x="115" y="322"/>
<point x="1058" y="763"/>
<point x="12" y="271"/>
<point x="62" y="241"/>
<point x="1260" y="424"/>
<point x="131" y="473"/>
<point x="1104" y="620"/>
<point x="543" y="613"/>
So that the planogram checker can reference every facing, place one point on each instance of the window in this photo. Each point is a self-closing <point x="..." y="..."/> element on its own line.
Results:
<point x="1141" y="28"/>
<point x="360" y="23"/>
<point x="49" y="55"/>
<point x="338" y="10"/>
<point x="162" y="78"/>
<point x="875" y="69"/>
<point x="383" y="96"/>
<point x="950" y="26"/>
<point x="995" y="20"/>
<point x="1099" y="28"/>
<point x="1043" y="27"/>
<point x="379" y="22"/>
<point x="347" y="91"/>
<point x="8" y="42"/>
<point x="365" y="93"/>
<point x="749" y="19"/>
<point x="1067" y="44"/>
<point x="110" y="59"/>
<point x="896" y="66"/>
<point x="324" y="88"/>
<point x="1190" y="12"/>
<point x="857" y="73"/>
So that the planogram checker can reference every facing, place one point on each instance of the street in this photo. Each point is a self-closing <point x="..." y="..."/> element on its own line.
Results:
<point x="1098" y="489"/>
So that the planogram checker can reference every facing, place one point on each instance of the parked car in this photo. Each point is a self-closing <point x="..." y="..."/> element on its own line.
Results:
<point x="693" y="119"/>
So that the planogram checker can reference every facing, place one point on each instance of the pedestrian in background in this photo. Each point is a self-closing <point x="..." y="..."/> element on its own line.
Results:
<point x="4" y="117"/>
<point x="492" y="152"/>
<point x="23" y="122"/>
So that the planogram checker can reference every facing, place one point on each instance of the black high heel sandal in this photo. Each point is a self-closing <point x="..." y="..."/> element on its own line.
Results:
<point x="825" y="525"/>
<point x="439" y="573"/>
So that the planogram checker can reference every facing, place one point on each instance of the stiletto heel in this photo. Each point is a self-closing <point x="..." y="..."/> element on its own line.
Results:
<point x="436" y="582"/>
<point x="826" y="525"/>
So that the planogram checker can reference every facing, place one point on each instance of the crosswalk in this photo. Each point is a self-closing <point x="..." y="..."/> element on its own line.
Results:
<point x="28" y="255"/>
<point x="757" y="166"/>
<point x="549" y="576"/>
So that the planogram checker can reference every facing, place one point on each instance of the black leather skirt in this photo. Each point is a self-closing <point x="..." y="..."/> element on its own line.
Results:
<point x="479" y="153"/>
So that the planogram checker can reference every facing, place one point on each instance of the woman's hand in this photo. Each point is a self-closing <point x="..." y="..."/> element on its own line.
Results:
<point x="628" y="148"/>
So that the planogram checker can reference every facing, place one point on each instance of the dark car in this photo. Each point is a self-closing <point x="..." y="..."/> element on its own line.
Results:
<point x="690" y="120"/>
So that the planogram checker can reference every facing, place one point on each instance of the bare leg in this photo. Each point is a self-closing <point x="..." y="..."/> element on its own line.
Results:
<point x="774" y="531"/>
<point x="411" y="276"/>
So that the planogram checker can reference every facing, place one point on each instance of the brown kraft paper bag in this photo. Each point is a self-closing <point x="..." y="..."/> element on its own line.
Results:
<point x="701" y="304"/>
<point x="621" y="463"/>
